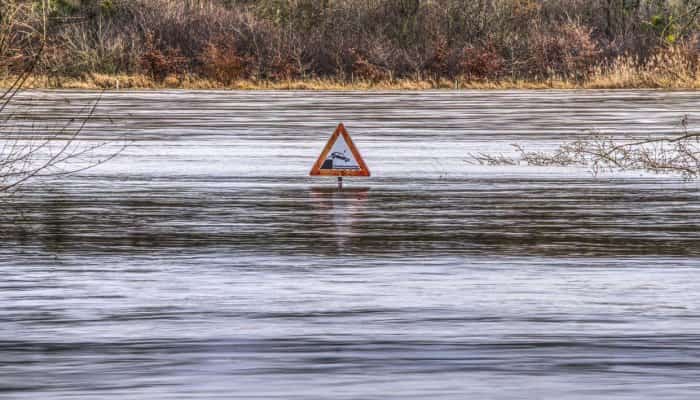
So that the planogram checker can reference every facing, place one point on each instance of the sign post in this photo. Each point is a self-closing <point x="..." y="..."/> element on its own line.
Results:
<point x="340" y="158"/>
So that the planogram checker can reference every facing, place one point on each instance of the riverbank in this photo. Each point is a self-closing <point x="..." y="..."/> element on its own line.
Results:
<point x="352" y="44"/>
<point x="618" y="80"/>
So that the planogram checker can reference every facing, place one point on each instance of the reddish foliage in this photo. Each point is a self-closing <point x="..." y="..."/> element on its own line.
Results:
<point x="438" y="63"/>
<point x="362" y="68"/>
<point x="222" y="61"/>
<point x="283" y="68"/>
<point x="568" y="51"/>
<point x="159" y="64"/>
<point x="372" y="40"/>
<point x="481" y="63"/>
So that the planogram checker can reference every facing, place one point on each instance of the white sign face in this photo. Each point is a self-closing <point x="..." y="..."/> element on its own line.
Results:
<point x="340" y="156"/>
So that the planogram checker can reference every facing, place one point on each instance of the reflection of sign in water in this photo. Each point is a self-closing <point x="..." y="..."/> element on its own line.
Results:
<point x="340" y="157"/>
<point x="338" y="218"/>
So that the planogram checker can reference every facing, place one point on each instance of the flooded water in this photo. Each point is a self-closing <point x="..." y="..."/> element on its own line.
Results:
<point x="203" y="262"/>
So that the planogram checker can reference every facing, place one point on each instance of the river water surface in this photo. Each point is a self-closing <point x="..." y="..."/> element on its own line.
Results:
<point x="203" y="262"/>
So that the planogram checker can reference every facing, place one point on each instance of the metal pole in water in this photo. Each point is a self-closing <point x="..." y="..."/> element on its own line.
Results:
<point x="340" y="183"/>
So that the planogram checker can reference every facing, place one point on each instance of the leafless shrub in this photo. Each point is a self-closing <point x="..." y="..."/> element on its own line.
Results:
<point x="438" y="63"/>
<point x="481" y="63"/>
<point x="32" y="151"/>
<point x="364" y="69"/>
<point x="28" y="152"/>
<point x="159" y="64"/>
<point x="599" y="152"/>
<point x="567" y="51"/>
<point x="492" y="159"/>
<point x="222" y="61"/>
<point x="341" y="39"/>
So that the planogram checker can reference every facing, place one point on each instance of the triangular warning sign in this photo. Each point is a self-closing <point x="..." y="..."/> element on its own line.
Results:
<point x="340" y="157"/>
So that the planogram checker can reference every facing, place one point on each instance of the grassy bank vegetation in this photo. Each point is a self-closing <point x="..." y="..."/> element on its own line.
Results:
<point x="352" y="44"/>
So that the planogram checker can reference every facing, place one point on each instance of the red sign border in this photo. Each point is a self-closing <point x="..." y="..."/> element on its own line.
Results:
<point x="316" y="169"/>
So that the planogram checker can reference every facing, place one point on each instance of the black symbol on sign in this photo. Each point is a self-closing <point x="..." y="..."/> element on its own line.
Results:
<point x="340" y="156"/>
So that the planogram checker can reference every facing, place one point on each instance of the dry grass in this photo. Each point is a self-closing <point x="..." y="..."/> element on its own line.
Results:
<point x="110" y="82"/>
<point x="663" y="71"/>
<point x="618" y="80"/>
<point x="669" y="69"/>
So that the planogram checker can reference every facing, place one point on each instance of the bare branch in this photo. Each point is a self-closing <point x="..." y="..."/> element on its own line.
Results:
<point x="37" y="151"/>
<point x="679" y="154"/>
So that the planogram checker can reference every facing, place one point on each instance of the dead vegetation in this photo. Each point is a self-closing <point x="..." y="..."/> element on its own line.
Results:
<point x="30" y="151"/>
<point x="678" y="154"/>
<point x="492" y="43"/>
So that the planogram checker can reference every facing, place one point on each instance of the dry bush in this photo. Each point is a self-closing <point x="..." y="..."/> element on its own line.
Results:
<point x="80" y="48"/>
<point x="160" y="63"/>
<point x="48" y="151"/>
<point x="438" y="63"/>
<point x="29" y="151"/>
<point x="479" y="63"/>
<point x="18" y="37"/>
<point x="599" y="152"/>
<point x="285" y="67"/>
<point x="10" y="54"/>
<point x="221" y="61"/>
<point x="568" y="51"/>
<point x="533" y="40"/>
<point x="675" y="66"/>
<point x="363" y="69"/>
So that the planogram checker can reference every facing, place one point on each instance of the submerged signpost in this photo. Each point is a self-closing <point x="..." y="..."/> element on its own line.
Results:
<point x="340" y="158"/>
